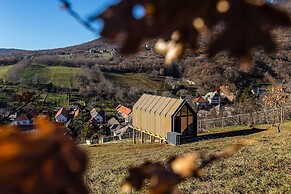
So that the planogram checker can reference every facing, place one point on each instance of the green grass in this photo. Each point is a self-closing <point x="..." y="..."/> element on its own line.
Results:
<point x="65" y="77"/>
<point x="3" y="70"/>
<point x="260" y="168"/>
<point x="127" y="80"/>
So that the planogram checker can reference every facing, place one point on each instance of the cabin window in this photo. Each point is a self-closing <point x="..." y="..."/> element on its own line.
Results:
<point x="183" y="122"/>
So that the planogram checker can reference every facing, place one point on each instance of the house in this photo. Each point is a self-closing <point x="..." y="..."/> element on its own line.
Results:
<point x="21" y="120"/>
<point x="201" y="102"/>
<point x="62" y="116"/>
<point x="213" y="98"/>
<point x="169" y="119"/>
<point x="96" y="115"/>
<point x="124" y="112"/>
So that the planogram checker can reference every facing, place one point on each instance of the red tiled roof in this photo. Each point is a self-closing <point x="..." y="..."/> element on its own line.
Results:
<point x="200" y="99"/>
<point x="63" y="112"/>
<point x="124" y="110"/>
<point x="22" y="118"/>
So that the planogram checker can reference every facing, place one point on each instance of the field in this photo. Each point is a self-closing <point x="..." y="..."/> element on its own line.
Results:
<point x="260" y="168"/>
<point x="3" y="70"/>
<point x="65" y="77"/>
<point x="127" y="80"/>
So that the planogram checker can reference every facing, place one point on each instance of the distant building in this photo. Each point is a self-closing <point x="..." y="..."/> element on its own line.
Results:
<point x="21" y="120"/>
<point x="96" y="115"/>
<point x="201" y="102"/>
<point x="213" y="98"/>
<point x="124" y="112"/>
<point x="62" y="116"/>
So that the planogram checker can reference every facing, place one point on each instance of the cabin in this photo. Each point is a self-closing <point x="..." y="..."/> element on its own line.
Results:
<point x="167" y="119"/>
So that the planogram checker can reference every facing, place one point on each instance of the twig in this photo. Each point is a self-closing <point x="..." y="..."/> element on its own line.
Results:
<point x="67" y="6"/>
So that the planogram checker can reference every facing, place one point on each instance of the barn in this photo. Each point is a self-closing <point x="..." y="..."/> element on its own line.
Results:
<point x="168" y="119"/>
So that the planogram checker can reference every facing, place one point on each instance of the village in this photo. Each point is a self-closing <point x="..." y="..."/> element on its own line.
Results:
<point x="144" y="119"/>
<point x="98" y="124"/>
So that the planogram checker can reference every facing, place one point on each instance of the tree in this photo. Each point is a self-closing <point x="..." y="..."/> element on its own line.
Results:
<point x="276" y="98"/>
<point x="87" y="131"/>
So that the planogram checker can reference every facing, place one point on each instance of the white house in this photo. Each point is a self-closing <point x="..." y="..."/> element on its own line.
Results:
<point x="95" y="115"/>
<point x="213" y="98"/>
<point x="21" y="120"/>
<point x="62" y="116"/>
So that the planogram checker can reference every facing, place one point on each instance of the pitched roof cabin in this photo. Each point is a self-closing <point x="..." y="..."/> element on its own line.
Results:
<point x="161" y="116"/>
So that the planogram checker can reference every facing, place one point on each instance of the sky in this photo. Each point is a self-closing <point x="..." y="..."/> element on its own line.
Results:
<point x="42" y="24"/>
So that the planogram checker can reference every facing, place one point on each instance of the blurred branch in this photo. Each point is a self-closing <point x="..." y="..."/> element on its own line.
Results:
<point x="67" y="6"/>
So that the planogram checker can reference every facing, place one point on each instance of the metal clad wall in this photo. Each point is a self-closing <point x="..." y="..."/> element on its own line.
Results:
<point x="145" y="120"/>
<point x="134" y="110"/>
<point x="140" y="111"/>
<point x="148" y="114"/>
<point x="153" y="115"/>
<point x="166" y="126"/>
<point x="160" y="127"/>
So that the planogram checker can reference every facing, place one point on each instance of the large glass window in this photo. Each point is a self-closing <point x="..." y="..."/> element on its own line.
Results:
<point x="183" y="122"/>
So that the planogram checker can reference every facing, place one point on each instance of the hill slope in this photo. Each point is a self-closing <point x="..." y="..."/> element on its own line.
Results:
<point x="260" y="168"/>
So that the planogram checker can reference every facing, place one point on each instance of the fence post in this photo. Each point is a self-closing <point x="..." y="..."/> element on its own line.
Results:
<point x="142" y="137"/>
<point x="133" y="136"/>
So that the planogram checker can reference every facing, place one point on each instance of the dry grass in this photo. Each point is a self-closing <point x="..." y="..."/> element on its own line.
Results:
<point x="260" y="168"/>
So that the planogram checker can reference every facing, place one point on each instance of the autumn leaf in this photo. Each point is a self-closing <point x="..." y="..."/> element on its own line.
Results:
<point x="45" y="161"/>
<point x="248" y="25"/>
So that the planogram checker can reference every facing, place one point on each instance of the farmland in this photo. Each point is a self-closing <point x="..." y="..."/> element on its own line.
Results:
<point x="3" y="70"/>
<point x="260" y="168"/>
<point x="127" y="80"/>
<point x="65" y="77"/>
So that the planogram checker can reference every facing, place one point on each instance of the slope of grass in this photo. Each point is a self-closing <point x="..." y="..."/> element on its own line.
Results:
<point x="65" y="77"/>
<point x="128" y="80"/>
<point x="3" y="70"/>
<point x="260" y="168"/>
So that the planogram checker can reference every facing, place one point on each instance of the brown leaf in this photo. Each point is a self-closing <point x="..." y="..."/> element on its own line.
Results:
<point x="248" y="24"/>
<point x="44" y="162"/>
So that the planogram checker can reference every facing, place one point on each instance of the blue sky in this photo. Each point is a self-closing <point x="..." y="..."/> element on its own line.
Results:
<point x="41" y="24"/>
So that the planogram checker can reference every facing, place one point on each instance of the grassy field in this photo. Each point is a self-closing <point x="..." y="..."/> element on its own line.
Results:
<point x="3" y="70"/>
<point x="133" y="80"/>
<point x="260" y="168"/>
<point x="65" y="77"/>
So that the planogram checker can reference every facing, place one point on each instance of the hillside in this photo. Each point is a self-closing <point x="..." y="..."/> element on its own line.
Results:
<point x="260" y="168"/>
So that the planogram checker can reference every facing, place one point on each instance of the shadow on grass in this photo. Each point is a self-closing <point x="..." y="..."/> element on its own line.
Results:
<point x="242" y="132"/>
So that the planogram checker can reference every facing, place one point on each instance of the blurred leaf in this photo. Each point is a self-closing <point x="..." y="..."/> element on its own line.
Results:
<point x="248" y="25"/>
<point x="44" y="162"/>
